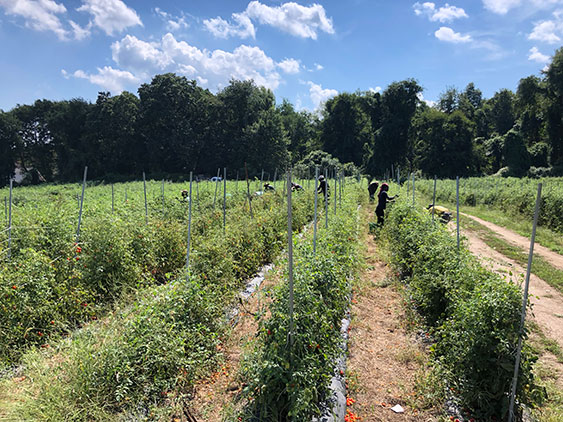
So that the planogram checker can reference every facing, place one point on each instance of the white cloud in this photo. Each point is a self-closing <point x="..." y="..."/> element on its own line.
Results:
<point x="319" y="66"/>
<point x="430" y="103"/>
<point x="243" y="27"/>
<point x="107" y="78"/>
<point x="173" y="23"/>
<point x="448" y="35"/>
<point x="110" y="15"/>
<point x="536" y="56"/>
<point x="297" y="20"/>
<point x="549" y="31"/>
<point x="443" y="14"/>
<point x="502" y="7"/>
<point x="289" y="66"/>
<point x="40" y="15"/>
<point x="320" y="95"/>
<point x="211" y="68"/>
<point x="374" y="90"/>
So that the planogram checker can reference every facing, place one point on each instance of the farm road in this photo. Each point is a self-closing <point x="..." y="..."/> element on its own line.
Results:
<point x="554" y="258"/>
<point x="547" y="302"/>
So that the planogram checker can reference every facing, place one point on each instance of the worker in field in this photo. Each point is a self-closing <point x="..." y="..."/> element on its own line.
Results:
<point x="296" y="187"/>
<point x="184" y="194"/>
<point x="383" y="198"/>
<point x="323" y="186"/>
<point x="372" y="189"/>
<point x="443" y="213"/>
<point x="268" y="187"/>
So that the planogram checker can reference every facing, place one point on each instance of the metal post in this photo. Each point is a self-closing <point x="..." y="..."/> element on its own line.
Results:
<point x="457" y="208"/>
<point x="189" y="230"/>
<point x="262" y="180"/>
<point x="112" y="199"/>
<point x="275" y="177"/>
<point x="335" y="192"/>
<point x="6" y="209"/>
<point x="290" y="257"/>
<point x="326" y="198"/>
<point x="81" y="204"/>
<point x="146" y="207"/>
<point x="434" y="199"/>
<point x="413" y="189"/>
<point x="511" y="416"/>
<point x="340" y="188"/>
<point x="224" y="198"/>
<point x="248" y="191"/>
<point x="315" y="219"/>
<point x="236" y="183"/>
<point x="399" y="176"/>
<point x="10" y="222"/>
<point x="216" y="186"/>
<point x="162" y="197"/>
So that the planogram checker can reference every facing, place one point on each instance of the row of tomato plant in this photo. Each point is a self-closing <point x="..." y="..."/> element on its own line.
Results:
<point x="516" y="196"/>
<point x="472" y="314"/>
<point x="287" y="376"/>
<point x="151" y="348"/>
<point x="51" y="284"/>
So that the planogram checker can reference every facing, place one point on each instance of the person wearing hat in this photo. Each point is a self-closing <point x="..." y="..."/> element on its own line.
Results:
<point x="323" y="186"/>
<point x="383" y="199"/>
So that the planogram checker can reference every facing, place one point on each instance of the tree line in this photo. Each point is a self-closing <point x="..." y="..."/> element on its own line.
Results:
<point x="173" y="126"/>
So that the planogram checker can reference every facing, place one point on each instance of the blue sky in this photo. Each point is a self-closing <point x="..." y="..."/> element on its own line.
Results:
<point x="304" y="51"/>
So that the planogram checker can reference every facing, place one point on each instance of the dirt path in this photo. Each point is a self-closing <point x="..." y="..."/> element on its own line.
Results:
<point x="215" y="397"/>
<point x="554" y="258"/>
<point x="547" y="302"/>
<point x="383" y="360"/>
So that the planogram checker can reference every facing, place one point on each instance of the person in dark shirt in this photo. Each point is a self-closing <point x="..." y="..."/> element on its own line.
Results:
<point x="372" y="188"/>
<point x="323" y="186"/>
<point x="296" y="187"/>
<point x="383" y="199"/>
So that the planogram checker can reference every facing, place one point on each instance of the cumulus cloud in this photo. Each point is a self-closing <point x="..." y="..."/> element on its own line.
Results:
<point x="536" y="56"/>
<point x="242" y="27"/>
<point x="421" y="98"/>
<point x="319" y="66"/>
<point x="295" y="19"/>
<point x="502" y="7"/>
<point x="173" y="23"/>
<point x="446" y="13"/>
<point x="549" y="31"/>
<point x="448" y="35"/>
<point x="107" y="78"/>
<point x="110" y="16"/>
<point x="289" y="66"/>
<point x="374" y="90"/>
<point x="320" y="95"/>
<point x="211" y="68"/>
<point x="40" y="15"/>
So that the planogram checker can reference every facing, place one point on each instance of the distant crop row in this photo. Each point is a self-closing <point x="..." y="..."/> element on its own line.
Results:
<point x="512" y="195"/>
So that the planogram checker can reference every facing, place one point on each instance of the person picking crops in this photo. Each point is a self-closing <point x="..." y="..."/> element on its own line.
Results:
<point x="383" y="199"/>
<point x="323" y="186"/>
<point x="372" y="189"/>
<point x="443" y="213"/>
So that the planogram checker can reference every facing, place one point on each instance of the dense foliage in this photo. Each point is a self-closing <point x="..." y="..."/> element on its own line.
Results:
<point x="174" y="126"/>
<point x="473" y="314"/>
<point x="288" y="380"/>
<point x="51" y="284"/>
<point x="511" y="195"/>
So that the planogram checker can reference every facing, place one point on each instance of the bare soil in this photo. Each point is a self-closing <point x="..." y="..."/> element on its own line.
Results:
<point x="383" y="358"/>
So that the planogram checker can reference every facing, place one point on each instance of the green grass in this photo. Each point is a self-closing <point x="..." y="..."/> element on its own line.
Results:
<point x="540" y="267"/>
<point x="544" y="236"/>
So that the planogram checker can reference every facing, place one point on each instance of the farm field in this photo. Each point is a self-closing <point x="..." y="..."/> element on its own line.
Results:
<point x="149" y="339"/>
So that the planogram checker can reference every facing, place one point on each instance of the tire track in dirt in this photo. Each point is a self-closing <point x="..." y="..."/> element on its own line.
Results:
<point x="547" y="303"/>
<point x="383" y="359"/>
<point x="515" y="239"/>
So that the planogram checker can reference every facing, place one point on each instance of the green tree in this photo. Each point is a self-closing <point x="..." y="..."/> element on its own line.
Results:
<point x="9" y="142"/>
<point x="301" y="129"/>
<point x="554" y="107"/>
<point x="502" y="111"/>
<point x="528" y="108"/>
<point x="448" y="102"/>
<point x="346" y="128"/>
<point x="516" y="156"/>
